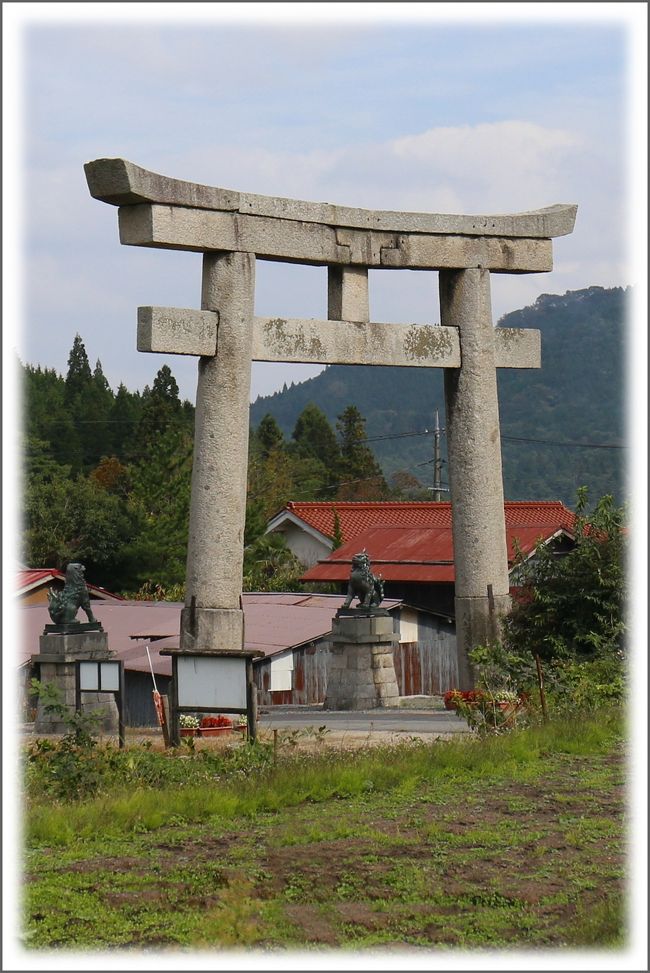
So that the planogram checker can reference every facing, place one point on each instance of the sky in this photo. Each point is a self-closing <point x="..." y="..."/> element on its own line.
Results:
<point x="426" y="112"/>
<point x="451" y="108"/>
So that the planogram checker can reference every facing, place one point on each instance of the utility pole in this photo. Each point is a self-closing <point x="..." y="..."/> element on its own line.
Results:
<point x="437" y="462"/>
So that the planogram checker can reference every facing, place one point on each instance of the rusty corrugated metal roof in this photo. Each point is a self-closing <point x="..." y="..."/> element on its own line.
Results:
<point x="274" y="622"/>
<point x="414" y="554"/>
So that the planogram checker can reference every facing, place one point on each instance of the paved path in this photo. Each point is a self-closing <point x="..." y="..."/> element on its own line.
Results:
<point x="392" y="721"/>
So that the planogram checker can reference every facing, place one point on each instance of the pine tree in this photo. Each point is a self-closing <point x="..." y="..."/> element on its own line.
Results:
<point x="360" y="475"/>
<point x="124" y="418"/>
<point x="269" y="435"/>
<point x="161" y="408"/>
<point x="92" y="409"/>
<point x="337" y="534"/>
<point x="79" y="375"/>
<point x="314" y="437"/>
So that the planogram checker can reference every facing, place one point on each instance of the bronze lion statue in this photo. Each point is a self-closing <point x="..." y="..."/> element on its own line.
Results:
<point x="363" y="584"/>
<point x="64" y="605"/>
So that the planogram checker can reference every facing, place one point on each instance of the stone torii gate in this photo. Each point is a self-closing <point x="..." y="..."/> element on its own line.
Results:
<point x="231" y="230"/>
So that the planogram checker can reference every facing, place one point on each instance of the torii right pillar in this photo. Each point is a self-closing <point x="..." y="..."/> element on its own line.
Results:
<point x="474" y="459"/>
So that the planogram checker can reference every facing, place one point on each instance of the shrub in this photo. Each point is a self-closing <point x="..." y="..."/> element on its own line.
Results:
<point x="572" y="605"/>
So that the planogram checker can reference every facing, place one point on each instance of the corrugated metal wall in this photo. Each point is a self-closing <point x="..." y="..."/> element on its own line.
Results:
<point x="426" y="667"/>
<point x="429" y="666"/>
<point x="309" y="677"/>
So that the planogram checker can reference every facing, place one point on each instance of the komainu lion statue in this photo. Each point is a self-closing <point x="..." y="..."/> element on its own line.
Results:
<point x="64" y="605"/>
<point x="363" y="584"/>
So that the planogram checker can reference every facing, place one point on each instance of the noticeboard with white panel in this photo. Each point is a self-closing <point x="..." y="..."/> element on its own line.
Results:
<point x="211" y="683"/>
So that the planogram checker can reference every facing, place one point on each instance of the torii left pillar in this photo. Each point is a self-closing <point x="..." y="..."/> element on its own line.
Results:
<point x="213" y="618"/>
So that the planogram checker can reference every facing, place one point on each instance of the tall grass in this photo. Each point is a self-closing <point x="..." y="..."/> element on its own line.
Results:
<point x="315" y="778"/>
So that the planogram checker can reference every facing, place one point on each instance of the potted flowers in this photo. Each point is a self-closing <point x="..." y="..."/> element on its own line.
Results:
<point x="468" y="696"/>
<point x="212" y="726"/>
<point x="189" y="725"/>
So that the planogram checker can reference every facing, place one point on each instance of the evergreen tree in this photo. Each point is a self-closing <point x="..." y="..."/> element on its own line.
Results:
<point x="161" y="407"/>
<point x="337" y="534"/>
<point x="47" y="417"/>
<point x="314" y="438"/>
<point x="160" y="501"/>
<point x="269" y="435"/>
<point x="360" y="475"/>
<point x="124" y="419"/>
<point x="92" y="411"/>
<point x="79" y="375"/>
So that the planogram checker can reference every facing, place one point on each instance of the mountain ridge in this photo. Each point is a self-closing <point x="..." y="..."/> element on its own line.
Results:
<point x="576" y="397"/>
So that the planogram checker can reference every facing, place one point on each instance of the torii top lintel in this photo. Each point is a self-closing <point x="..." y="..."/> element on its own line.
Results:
<point x="157" y="211"/>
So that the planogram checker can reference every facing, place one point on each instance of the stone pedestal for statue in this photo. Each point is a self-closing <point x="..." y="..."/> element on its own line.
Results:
<point x="361" y="673"/>
<point x="60" y="648"/>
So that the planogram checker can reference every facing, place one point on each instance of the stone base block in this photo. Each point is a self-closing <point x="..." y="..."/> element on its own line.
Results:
<point x="212" y="629"/>
<point x="361" y="673"/>
<point x="85" y="645"/>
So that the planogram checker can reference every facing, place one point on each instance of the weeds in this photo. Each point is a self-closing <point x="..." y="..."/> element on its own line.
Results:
<point x="139" y="790"/>
<point x="352" y="873"/>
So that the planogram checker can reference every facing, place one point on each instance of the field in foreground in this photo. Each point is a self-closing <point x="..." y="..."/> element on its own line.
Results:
<point x="516" y="842"/>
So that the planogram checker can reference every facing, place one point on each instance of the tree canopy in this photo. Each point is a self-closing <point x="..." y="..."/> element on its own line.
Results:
<point x="107" y="477"/>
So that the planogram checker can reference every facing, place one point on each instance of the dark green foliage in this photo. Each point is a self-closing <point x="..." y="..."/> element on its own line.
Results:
<point x="269" y="565"/>
<point x="159" y="501"/>
<point x="337" y="536"/>
<point x="124" y="421"/>
<point x="161" y="412"/>
<point x="48" y="417"/>
<point x="79" y="375"/>
<point x="73" y="519"/>
<point x="106" y="477"/>
<point x="573" y="605"/>
<point x="314" y="438"/>
<point x="269" y="435"/>
<point x="569" y="610"/>
<point x="577" y="396"/>
<point x="360" y="476"/>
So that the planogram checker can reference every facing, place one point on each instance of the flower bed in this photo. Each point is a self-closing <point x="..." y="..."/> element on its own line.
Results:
<point x="216" y="722"/>
<point x="213" y="726"/>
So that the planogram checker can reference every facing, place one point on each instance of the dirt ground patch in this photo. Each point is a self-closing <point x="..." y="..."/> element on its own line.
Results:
<point x="497" y="863"/>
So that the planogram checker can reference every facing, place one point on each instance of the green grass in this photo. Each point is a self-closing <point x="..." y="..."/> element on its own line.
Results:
<point x="461" y="844"/>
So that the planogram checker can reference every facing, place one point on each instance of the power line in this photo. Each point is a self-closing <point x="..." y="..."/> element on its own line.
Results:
<point x="557" y="442"/>
<point x="375" y="439"/>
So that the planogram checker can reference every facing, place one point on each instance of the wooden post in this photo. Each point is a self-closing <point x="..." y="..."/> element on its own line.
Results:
<point x="542" y="694"/>
<point x="174" y="726"/>
<point x="251" y="701"/>
<point x="165" y="724"/>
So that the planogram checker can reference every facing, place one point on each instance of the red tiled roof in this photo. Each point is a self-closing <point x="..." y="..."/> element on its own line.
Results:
<point x="33" y="577"/>
<point x="414" y="554"/>
<point x="356" y="518"/>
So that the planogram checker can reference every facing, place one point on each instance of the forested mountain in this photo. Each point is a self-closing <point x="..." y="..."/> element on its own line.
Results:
<point x="577" y="396"/>
<point x="107" y="474"/>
